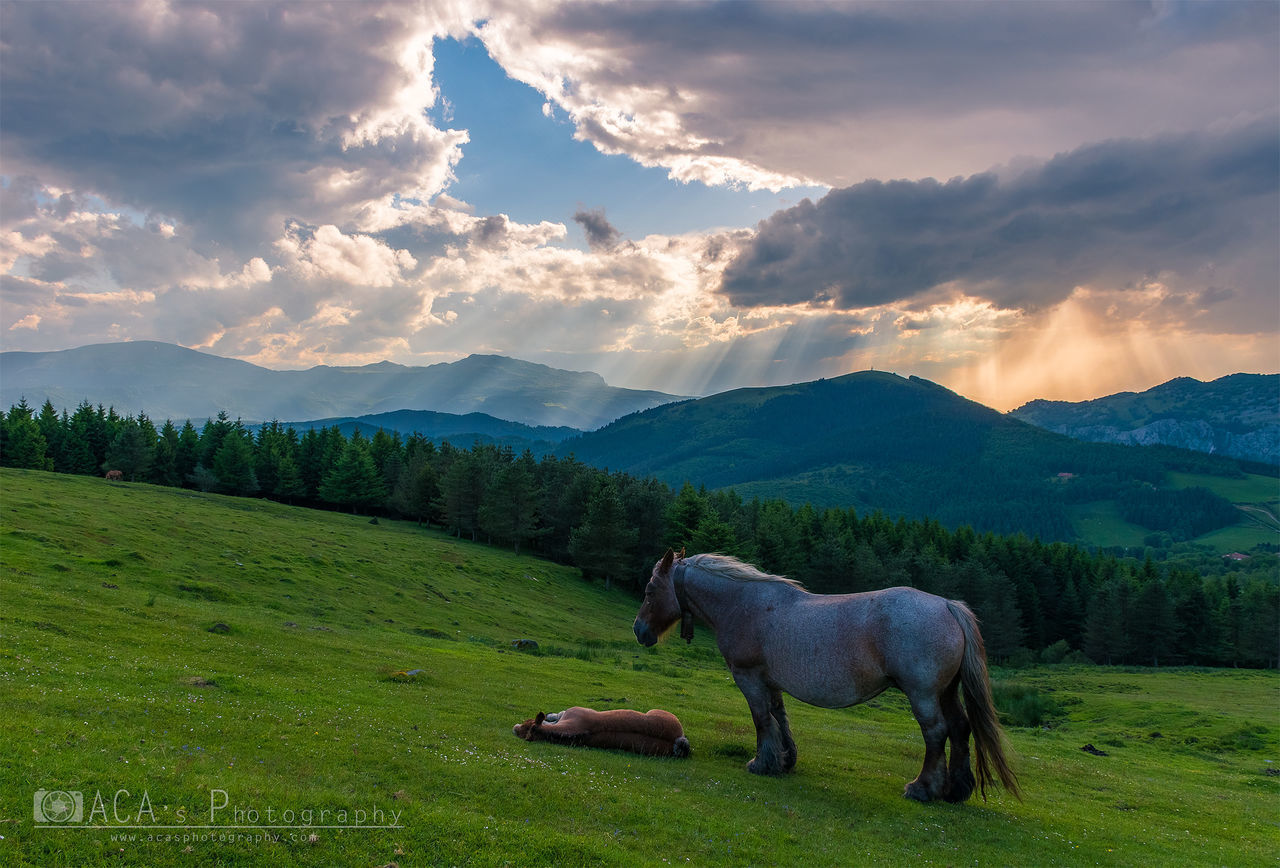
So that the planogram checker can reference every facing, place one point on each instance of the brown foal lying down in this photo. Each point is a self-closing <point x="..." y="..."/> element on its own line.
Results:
<point x="657" y="733"/>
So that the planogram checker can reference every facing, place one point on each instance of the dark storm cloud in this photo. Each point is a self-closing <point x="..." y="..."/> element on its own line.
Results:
<point x="842" y="92"/>
<point x="1117" y="211"/>
<point x="601" y="234"/>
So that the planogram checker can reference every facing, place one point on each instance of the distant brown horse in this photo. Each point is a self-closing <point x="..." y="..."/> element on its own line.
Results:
<point x="115" y="476"/>
<point x="657" y="733"/>
<point x="836" y="651"/>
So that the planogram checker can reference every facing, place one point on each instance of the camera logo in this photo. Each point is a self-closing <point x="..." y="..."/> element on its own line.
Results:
<point x="58" y="807"/>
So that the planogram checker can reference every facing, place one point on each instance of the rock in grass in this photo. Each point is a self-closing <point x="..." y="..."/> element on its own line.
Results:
<point x="219" y="628"/>
<point x="1088" y="748"/>
<point x="525" y="645"/>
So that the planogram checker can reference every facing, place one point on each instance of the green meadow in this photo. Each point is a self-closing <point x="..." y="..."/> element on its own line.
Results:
<point x="1099" y="523"/>
<point x="252" y="684"/>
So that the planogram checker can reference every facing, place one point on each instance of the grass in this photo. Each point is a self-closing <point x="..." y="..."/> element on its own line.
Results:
<point x="1251" y="489"/>
<point x="1099" y="523"/>
<point x="115" y="675"/>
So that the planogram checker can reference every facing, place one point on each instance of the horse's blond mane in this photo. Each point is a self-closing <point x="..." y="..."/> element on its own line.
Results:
<point x="729" y="567"/>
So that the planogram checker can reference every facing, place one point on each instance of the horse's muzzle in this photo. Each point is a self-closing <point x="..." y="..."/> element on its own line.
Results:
<point x="644" y="635"/>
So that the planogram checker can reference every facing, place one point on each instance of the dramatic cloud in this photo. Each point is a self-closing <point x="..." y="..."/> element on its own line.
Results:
<point x="1198" y="209"/>
<point x="771" y="94"/>
<point x="229" y="117"/>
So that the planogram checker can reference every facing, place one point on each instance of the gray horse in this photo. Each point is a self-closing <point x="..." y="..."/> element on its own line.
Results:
<point x="835" y="651"/>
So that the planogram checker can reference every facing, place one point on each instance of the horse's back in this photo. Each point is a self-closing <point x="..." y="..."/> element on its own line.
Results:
<point x="842" y="649"/>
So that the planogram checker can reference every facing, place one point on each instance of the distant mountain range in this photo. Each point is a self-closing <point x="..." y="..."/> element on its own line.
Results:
<point x="1238" y="415"/>
<point x="171" y="382"/>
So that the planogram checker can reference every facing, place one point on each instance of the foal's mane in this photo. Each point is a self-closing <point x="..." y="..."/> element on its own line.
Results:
<point x="729" y="567"/>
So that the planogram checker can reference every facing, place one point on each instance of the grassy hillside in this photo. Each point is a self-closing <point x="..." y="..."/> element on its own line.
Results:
<point x="116" y="675"/>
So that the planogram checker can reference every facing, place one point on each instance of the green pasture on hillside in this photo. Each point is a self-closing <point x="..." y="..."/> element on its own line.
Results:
<point x="230" y="661"/>
<point x="1101" y="524"/>
<point x="1253" y="488"/>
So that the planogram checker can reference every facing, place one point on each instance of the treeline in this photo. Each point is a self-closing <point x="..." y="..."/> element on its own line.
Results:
<point x="1037" y="601"/>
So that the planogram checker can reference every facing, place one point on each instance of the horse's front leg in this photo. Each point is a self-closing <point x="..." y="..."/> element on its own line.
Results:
<point x="771" y="752"/>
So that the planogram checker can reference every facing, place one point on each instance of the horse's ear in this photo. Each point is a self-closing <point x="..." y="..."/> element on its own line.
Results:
<point x="681" y="555"/>
<point x="537" y="721"/>
<point x="667" y="560"/>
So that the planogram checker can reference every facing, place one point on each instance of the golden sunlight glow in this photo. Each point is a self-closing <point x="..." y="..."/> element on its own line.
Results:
<point x="1088" y="347"/>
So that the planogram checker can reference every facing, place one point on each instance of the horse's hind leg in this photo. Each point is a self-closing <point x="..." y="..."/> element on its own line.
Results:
<point x="932" y="781"/>
<point x="959" y="774"/>
<point x="779" y="713"/>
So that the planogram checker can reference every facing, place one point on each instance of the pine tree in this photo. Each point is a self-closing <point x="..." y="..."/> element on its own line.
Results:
<point x="233" y="464"/>
<point x="54" y="433"/>
<point x="417" y="487"/>
<point x="387" y="451"/>
<point x="164" y="463"/>
<point x="997" y="608"/>
<point x="289" y="484"/>
<point x="24" y="445"/>
<point x="601" y="545"/>
<point x="684" y="515"/>
<point x="566" y="486"/>
<point x="132" y="450"/>
<point x="713" y="535"/>
<point x="77" y="453"/>
<point x="462" y="491"/>
<point x="272" y="443"/>
<point x="188" y="455"/>
<point x="354" y="480"/>
<point x="212" y="435"/>
<point x="645" y="502"/>
<point x="1154" y="629"/>
<point x="1105" y="637"/>
<point x="509" y="511"/>
<point x="1259" y="624"/>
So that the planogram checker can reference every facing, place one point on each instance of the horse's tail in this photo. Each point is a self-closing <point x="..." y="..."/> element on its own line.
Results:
<point x="988" y="741"/>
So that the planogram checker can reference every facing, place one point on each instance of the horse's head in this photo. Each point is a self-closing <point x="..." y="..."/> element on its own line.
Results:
<point x="661" y="607"/>
<point x="530" y="729"/>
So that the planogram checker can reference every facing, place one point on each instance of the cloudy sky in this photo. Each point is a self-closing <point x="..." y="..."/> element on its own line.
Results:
<point x="1016" y="200"/>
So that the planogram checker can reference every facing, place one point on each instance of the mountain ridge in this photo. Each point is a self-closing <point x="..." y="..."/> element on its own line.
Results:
<point x="461" y="430"/>
<point x="1237" y="415"/>
<point x="169" y="381"/>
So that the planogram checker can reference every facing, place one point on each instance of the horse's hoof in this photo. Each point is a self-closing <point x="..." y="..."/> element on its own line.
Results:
<point x="917" y="792"/>
<point x="961" y="787"/>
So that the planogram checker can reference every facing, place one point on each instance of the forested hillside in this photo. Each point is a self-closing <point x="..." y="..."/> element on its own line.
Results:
<point x="876" y="441"/>
<point x="1038" y="600"/>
